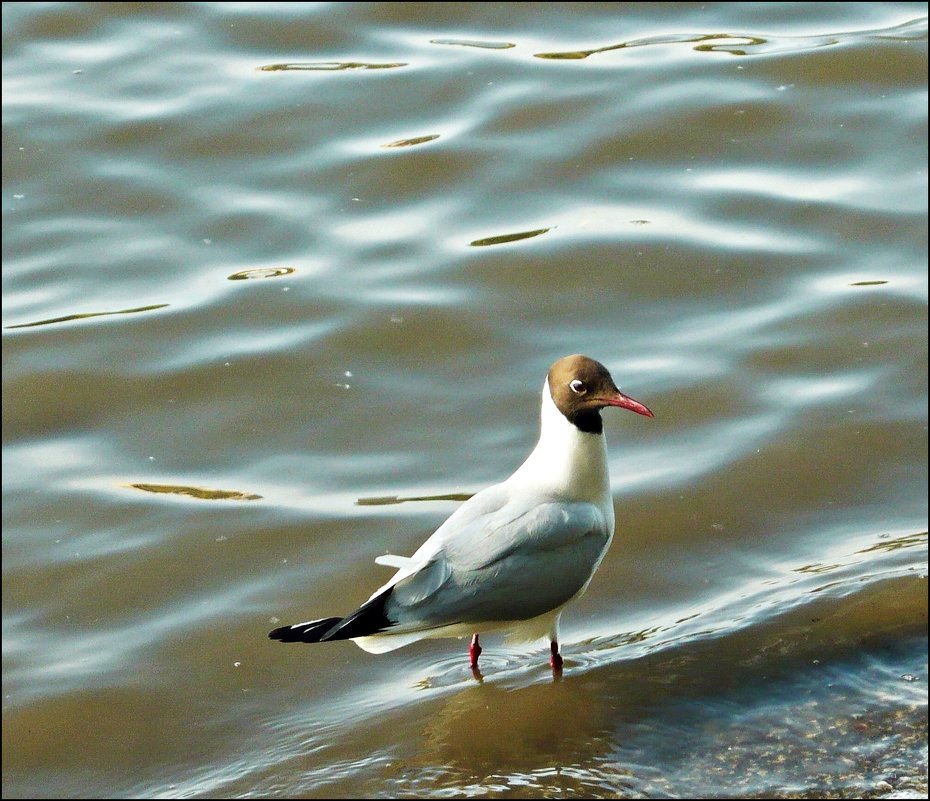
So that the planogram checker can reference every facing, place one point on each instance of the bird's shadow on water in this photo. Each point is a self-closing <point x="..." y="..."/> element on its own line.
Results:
<point x="487" y="725"/>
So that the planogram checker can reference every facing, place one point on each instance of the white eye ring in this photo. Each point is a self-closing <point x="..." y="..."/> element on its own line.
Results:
<point x="577" y="386"/>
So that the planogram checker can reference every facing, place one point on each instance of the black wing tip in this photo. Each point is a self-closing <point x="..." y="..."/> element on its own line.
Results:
<point x="312" y="631"/>
<point x="282" y="634"/>
<point x="370" y="618"/>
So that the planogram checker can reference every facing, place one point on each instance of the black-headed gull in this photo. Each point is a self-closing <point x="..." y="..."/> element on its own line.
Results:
<point x="515" y="554"/>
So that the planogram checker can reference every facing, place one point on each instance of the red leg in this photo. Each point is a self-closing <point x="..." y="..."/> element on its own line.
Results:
<point x="555" y="658"/>
<point x="474" y="651"/>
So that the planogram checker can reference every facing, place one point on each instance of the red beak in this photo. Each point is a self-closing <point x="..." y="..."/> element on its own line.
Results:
<point x="626" y="402"/>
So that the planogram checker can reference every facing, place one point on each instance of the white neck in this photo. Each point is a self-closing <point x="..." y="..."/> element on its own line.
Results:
<point x="566" y="462"/>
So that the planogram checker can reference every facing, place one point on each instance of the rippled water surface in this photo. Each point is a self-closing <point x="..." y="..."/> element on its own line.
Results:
<point x="275" y="276"/>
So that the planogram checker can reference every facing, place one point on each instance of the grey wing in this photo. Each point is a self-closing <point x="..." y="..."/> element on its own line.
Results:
<point x="510" y="564"/>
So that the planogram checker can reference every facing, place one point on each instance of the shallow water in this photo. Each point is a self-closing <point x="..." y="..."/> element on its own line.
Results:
<point x="270" y="270"/>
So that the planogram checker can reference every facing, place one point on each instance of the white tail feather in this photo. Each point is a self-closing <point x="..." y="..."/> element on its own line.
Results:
<point x="390" y="560"/>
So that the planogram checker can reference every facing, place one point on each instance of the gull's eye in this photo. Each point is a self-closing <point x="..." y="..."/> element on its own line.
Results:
<point x="577" y="386"/>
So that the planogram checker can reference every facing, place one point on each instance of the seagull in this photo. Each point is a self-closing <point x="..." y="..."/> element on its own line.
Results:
<point x="513" y="555"/>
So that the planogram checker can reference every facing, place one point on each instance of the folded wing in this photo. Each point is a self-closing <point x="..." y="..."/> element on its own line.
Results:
<point x="510" y="564"/>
